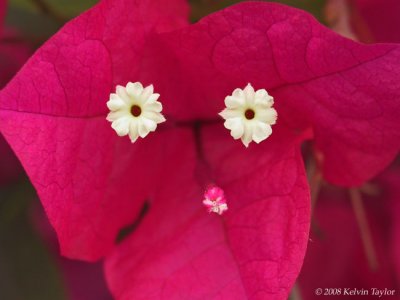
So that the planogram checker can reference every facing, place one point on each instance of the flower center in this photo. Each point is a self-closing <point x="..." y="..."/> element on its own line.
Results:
<point x="249" y="114"/>
<point x="136" y="111"/>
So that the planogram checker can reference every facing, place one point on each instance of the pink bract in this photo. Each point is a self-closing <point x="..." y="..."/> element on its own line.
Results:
<point x="253" y="251"/>
<point x="318" y="79"/>
<point x="82" y="171"/>
<point x="92" y="183"/>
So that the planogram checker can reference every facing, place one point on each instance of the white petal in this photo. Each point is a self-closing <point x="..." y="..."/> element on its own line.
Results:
<point x="247" y="134"/>
<point x="147" y="92"/>
<point x="143" y="131"/>
<point x="233" y="102"/>
<point x="230" y="113"/>
<point x="146" y="126"/>
<point x="151" y="125"/>
<point x="231" y="123"/>
<point x="237" y="129"/>
<point x="122" y="93"/>
<point x="115" y="115"/>
<point x="154" y="106"/>
<point x="265" y="102"/>
<point x="261" y="93"/>
<point x="116" y="103"/>
<point x="238" y="93"/>
<point x="134" y="89"/>
<point x="121" y="126"/>
<point x="267" y="115"/>
<point x="133" y="131"/>
<point x="156" y="117"/>
<point x="153" y="98"/>
<point x="249" y="93"/>
<point x="261" y="131"/>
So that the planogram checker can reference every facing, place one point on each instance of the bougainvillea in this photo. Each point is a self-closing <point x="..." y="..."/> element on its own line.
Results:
<point x="92" y="183"/>
<point x="363" y="252"/>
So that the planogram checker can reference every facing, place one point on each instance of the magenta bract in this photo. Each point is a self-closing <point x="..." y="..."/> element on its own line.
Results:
<point x="92" y="182"/>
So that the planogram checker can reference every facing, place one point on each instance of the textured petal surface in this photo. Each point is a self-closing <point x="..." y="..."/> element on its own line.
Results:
<point x="349" y="93"/>
<point x="254" y="251"/>
<point x="54" y="116"/>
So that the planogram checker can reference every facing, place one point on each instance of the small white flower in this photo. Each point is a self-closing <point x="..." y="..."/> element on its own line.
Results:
<point x="134" y="110"/>
<point x="249" y="114"/>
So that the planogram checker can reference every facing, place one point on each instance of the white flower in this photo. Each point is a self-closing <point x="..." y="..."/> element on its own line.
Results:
<point x="134" y="110"/>
<point x="249" y="114"/>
